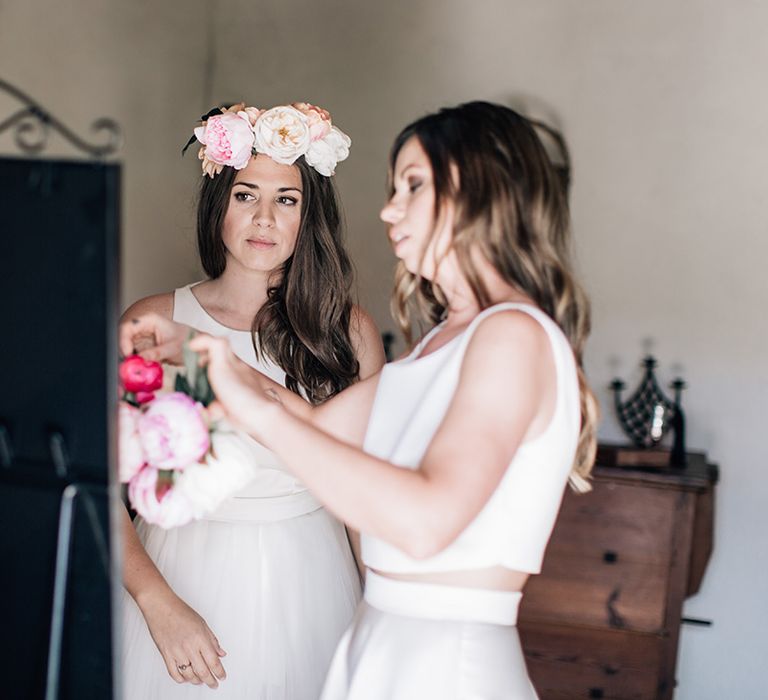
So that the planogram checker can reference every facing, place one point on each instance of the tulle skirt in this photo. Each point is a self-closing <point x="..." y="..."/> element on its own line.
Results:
<point x="277" y="595"/>
<point x="424" y="642"/>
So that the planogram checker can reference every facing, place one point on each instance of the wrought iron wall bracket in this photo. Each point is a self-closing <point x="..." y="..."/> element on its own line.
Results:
<point x="32" y="124"/>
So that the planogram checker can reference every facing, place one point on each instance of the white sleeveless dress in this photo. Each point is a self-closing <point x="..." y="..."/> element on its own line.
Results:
<point x="270" y="571"/>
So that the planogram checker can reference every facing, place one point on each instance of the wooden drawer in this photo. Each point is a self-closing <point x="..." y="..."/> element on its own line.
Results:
<point x="567" y="663"/>
<point x="624" y="595"/>
<point x="608" y="562"/>
<point x="634" y="523"/>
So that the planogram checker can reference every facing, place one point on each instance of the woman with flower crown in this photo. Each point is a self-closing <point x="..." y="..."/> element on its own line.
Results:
<point x="269" y="575"/>
<point x="451" y="461"/>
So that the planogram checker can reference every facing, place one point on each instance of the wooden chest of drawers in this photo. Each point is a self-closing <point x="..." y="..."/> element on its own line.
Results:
<point x="602" y="620"/>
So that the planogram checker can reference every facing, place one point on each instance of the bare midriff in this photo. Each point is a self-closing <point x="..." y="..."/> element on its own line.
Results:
<point x="496" y="578"/>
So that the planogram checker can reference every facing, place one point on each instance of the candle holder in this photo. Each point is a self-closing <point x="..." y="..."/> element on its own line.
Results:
<point x="648" y="415"/>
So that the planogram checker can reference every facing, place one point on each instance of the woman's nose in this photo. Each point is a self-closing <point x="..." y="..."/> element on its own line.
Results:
<point x="391" y="213"/>
<point x="264" y="217"/>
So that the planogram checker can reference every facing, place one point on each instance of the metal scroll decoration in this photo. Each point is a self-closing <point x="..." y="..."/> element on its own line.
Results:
<point x="32" y="125"/>
<point x="648" y="414"/>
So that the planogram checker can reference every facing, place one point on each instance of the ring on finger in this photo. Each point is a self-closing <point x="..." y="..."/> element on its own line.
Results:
<point x="184" y="667"/>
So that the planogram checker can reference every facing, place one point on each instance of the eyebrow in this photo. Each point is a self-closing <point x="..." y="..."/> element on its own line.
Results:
<point x="408" y="167"/>
<point x="254" y="186"/>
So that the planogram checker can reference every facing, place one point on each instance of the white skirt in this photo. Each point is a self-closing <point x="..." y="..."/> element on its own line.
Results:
<point x="277" y="595"/>
<point x="443" y="652"/>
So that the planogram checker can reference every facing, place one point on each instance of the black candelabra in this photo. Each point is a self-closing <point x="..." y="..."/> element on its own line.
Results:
<point x="648" y="414"/>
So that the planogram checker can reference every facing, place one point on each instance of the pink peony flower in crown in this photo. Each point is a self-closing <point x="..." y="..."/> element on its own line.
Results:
<point x="228" y="139"/>
<point x="171" y="509"/>
<point x="131" y="456"/>
<point x="319" y="119"/>
<point x="173" y="431"/>
<point x="282" y="133"/>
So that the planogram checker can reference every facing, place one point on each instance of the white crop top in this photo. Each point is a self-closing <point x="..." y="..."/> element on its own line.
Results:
<point x="514" y="526"/>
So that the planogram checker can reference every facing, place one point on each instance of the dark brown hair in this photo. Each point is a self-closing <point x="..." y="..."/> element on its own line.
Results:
<point x="511" y="207"/>
<point x="304" y="325"/>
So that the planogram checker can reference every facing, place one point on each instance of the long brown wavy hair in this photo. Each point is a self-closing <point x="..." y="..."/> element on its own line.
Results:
<point x="510" y="206"/>
<point x="304" y="325"/>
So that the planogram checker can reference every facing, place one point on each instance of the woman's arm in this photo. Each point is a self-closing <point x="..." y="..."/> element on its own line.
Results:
<point x="181" y="635"/>
<point x="502" y="398"/>
<point x="147" y="328"/>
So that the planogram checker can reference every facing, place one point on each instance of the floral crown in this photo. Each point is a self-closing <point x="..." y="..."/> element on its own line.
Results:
<point x="231" y="135"/>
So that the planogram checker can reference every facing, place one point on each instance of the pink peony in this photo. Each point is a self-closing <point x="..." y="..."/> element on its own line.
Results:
<point x="130" y="452"/>
<point x="173" y="431"/>
<point x="319" y="119"/>
<point x="140" y="375"/>
<point x="228" y="139"/>
<point x="171" y="510"/>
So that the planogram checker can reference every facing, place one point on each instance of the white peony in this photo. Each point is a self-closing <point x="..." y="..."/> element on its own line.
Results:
<point x="282" y="133"/>
<point x="324" y="154"/>
<point x="172" y="510"/>
<point x="228" y="467"/>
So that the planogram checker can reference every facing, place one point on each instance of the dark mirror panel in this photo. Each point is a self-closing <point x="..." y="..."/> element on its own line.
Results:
<point x="59" y="224"/>
<point x="58" y="273"/>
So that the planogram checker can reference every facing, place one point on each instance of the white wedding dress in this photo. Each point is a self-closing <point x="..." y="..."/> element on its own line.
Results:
<point x="270" y="571"/>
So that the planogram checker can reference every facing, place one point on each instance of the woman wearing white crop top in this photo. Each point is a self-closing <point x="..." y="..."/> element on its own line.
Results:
<point x="271" y="570"/>
<point x="452" y="460"/>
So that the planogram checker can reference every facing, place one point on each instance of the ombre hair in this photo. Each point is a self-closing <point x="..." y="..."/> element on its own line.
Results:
<point x="304" y="325"/>
<point x="510" y="207"/>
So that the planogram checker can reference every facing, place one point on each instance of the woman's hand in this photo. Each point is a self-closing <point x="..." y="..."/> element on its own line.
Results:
<point x="190" y="650"/>
<point x="154" y="337"/>
<point x="238" y="391"/>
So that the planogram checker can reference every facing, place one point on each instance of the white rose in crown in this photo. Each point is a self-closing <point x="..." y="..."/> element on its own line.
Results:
<point x="283" y="134"/>
<point x="229" y="466"/>
<point x="324" y="154"/>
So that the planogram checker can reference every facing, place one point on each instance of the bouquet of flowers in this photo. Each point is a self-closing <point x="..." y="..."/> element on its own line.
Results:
<point x="179" y="463"/>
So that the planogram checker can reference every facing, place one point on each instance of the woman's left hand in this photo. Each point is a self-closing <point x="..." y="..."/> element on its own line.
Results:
<point x="237" y="388"/>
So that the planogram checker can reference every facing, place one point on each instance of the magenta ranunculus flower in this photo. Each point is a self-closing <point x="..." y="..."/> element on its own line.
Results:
<point x="228" y="139"/>
<point x="140" y="375"/>
<point x="130" y="452"/>
<point x="173" y="431"/>
<point x="172" y="510"/>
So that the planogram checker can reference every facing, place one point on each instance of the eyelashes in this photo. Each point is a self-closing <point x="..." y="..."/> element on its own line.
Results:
<point x="285" y="200"/>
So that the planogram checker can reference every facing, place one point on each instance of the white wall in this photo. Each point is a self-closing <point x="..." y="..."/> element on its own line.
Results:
<point x="665" y="110"/>
<point x="141" y="63"/>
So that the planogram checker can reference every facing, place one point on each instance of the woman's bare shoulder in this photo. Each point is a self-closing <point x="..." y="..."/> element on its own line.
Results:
<point x="366" y="341"/>
<point x="161" y="304"/>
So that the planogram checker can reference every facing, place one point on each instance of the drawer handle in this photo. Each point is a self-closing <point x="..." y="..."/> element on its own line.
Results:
<point x="610" y="557"/>
<point x="596" y="693"/>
